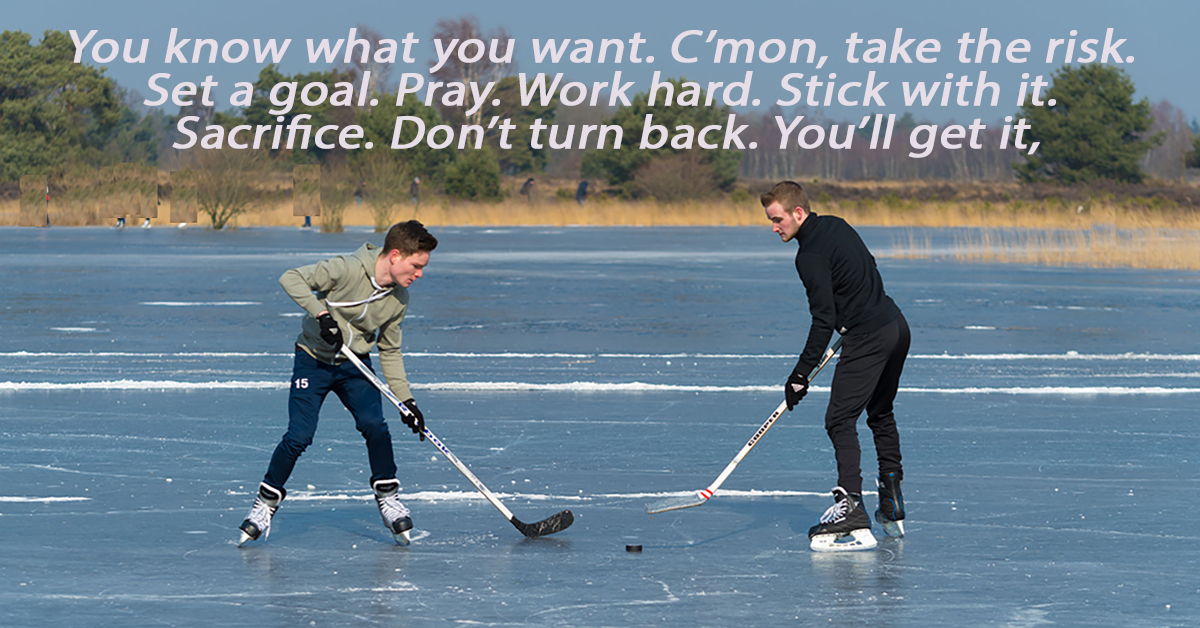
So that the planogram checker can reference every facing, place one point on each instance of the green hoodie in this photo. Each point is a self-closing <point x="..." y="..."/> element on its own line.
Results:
<point x="368" y="315"/>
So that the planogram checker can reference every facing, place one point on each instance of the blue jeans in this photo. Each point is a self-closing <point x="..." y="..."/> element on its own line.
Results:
<point x="311" y="382"/>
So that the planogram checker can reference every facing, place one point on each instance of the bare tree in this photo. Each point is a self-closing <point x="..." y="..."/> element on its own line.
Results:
<point x="679" y="177"/>
<point x="338" y="185"/>
<point x="462" y="29"/>
<point x="385" y="185"/>
<point x="227" y="183"/>
<point x="381" y="73"/>
<point x="1169" y="160"/>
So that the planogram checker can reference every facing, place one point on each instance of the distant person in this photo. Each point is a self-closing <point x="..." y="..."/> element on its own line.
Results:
<point x="845" y="293"/>
<point x="414" y="191"/>
<point x="146" y="223"/>
<point x="307" y="222"/>
<point x="360" y="300"/>
<point x="581" y="192"/>
<point x="527" y="190"/>
<point x="120" y="222"/>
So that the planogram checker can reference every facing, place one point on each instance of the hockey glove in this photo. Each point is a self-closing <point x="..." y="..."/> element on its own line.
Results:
<point x="330" y="332"/>
<point x="415" y="421"/>
<point x="795" y="389"/>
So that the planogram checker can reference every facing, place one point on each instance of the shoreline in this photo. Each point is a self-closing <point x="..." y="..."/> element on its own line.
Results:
<point x="1101" y="225"/>
<point x="1162" y="242"/>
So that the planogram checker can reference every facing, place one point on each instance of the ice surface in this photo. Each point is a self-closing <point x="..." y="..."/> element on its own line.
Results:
<point x="1047" y="418"/>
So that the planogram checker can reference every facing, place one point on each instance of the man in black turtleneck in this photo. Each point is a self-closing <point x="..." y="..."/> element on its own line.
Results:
<point x="845" y="294"/>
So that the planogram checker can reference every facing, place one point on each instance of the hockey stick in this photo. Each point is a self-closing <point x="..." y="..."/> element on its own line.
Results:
<point x="550" y="525"/>
<point x="700" y="497"/>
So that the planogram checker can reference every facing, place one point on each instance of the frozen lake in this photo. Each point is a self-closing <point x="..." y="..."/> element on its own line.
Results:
<point x="1047" y="419"/>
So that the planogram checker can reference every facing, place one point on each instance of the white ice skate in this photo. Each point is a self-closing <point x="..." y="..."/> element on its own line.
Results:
<point x="258" y="522"/>
<point x="395" y="514"/>
<point x="844" y="527"/>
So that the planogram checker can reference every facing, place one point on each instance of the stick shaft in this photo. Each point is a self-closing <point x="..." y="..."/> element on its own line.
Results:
<point x="762" y="430"/>
<point x="462" y="468"/>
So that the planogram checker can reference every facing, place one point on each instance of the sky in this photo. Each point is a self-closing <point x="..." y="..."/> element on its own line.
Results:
<point x="1160" y="35"/>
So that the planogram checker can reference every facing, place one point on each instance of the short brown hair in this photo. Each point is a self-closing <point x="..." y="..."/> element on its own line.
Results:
<point x="409" y="237"/>
<point x="786" y="193"/>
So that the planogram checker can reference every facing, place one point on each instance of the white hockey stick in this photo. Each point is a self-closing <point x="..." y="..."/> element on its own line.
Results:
<point x="554" y="523"/>
<point x="702" y="496"/>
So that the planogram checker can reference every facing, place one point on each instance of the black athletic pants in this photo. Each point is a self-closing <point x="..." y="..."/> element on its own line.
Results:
<point x="867" y="376"/>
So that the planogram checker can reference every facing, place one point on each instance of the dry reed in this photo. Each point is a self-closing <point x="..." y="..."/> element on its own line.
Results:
<point x="1099" y="236"/>
<point x="1093" y="234"/>
<point x="1094" y="248"/>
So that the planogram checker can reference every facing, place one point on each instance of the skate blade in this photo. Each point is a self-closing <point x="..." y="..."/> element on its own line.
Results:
<point x="242" y="541"/>
<point x="894" y="529"/>
<point x="856" y="541"/>
<point x="404" y="538"/>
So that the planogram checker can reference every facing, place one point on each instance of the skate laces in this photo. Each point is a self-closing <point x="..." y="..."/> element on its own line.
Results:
<point x="391" y="508"/>
<point x="260" y="516"/>
<point x="837" y="511"/>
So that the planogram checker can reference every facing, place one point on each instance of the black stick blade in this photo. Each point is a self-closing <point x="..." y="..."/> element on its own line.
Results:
<point x="549" y="525"/>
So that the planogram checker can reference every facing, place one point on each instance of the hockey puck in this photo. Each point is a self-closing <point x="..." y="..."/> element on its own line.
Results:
<point x="633" y="548"/>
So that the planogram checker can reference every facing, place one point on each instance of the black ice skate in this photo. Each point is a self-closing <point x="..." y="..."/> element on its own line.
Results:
<point x="844" y="527"/>
<point x="258" y="522"/>
<point x="891" y="504"/>
<point x="395" y="515"/>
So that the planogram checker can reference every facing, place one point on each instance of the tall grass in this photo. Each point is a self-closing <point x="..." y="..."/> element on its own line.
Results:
<point x="1135" y="233"/>
<point x="1100" y="236"/>
<point x="1097" y="247"/>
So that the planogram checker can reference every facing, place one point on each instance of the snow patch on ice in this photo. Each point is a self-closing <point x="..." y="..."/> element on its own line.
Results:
<point x="128" y="384"/>
<point x="751" y="494"/>
<point x="131" y="354"/>
<point x="587" y="387"/>
<point x="464" y="496"/>
<point x="1069" y="355"/>
<point x="426" y="496"/>
<point x="199" y="303"/>
<point x="41" y="500"/>
<point x="1058" y="390"/>
<point x="577" y="387"/>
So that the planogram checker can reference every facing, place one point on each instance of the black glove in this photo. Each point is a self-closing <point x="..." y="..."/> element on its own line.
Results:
<point x="330" y="332"/>
<point x="795" y="389"/>
<point x="415" y="421"/>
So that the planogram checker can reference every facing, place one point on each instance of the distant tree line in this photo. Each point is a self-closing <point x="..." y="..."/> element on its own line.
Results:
<point x="58" y="117"/>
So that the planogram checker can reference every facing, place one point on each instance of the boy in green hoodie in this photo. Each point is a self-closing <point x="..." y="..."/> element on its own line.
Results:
<point x="358" y="300"/>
